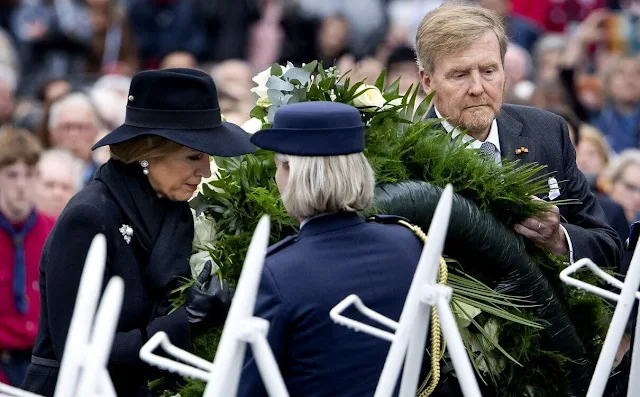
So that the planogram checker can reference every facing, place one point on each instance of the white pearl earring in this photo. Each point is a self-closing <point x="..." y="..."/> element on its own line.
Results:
<point x="144" y="164"/>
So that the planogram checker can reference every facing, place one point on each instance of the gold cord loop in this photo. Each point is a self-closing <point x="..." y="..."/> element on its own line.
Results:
<point x="436" y="335"/>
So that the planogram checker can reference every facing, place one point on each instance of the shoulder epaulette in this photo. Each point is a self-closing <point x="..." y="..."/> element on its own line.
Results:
<point x="387" y="219"/>
<point x="285" y="242"/>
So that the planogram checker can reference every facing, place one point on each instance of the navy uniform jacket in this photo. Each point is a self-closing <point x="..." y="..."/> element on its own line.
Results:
<point x="304" y="277"/>
<point x="93" y="211"/>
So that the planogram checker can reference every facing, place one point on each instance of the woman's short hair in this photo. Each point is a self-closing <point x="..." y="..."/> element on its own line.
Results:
<point x="620" y="163"/>
<point x="589" y="133"/>
<point x="450" y="28"/>
<point x="143" y="147"/>
<point x="327" y="184"/>
<point x="18" y="145"/>
<point x="70" y="100"/>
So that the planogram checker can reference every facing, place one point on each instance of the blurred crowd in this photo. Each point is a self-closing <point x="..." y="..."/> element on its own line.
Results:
<point x="65" y="69"/>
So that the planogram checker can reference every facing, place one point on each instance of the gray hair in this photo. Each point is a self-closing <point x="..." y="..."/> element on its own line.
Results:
<point x="72" y="100"/>
<point x="66" y="159"/>
<point x="620" y="163"/>
<point x="548" y="42"/>
<point x="327" y="184"/>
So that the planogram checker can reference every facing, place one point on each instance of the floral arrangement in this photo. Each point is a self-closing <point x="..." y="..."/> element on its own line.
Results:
<point x="501" y="335"/>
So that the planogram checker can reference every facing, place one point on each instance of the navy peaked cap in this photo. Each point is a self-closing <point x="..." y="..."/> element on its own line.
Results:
<point x="314" y="129"/>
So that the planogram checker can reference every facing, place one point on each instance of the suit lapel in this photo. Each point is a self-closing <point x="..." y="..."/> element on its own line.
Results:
<point x="512" y="140"/>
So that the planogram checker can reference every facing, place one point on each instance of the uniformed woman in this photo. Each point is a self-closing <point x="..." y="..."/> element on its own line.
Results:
<point x="324" y="179"/>
<point x="138" y="199"/>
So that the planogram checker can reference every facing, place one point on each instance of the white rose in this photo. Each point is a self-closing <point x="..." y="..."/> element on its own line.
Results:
<point x="368" y="96"/>
<point x="261" y="80"/>
<point x="464" y="313"/>
<point x="252" y="125"/>
<point x="204" y="235"/>
<point x="197" y="261"/>
<point x="393" y="103"/>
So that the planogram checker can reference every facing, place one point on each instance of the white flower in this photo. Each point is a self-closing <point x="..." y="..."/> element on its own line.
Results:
<point x="264" y="102"/>
<point x="197" y="261"/>
<point x="214" y="176"/>
<point x="392" y="103"/>
<point x="252" y="125"/>
<point x="204" y="235"/>
<point x="368" y="97"/>
<point x="464" y="313"/>
<point x="261" y="80"/>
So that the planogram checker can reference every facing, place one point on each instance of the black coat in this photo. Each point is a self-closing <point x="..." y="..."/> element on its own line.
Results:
<point x="93" y="211"/>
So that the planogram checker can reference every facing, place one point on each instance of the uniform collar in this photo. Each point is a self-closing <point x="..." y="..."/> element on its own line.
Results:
<point x="329" y="222"/>
<point x="493" y="136"/>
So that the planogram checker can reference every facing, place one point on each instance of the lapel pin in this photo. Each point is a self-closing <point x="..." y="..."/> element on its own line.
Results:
<point x="126" y="232"/>
<point x="521" y="150"/>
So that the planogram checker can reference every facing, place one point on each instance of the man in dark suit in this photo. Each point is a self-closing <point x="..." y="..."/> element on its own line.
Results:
<point x="461" y="54"/>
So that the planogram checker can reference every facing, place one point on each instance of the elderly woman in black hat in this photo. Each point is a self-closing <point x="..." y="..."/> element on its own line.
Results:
<point x="324" y="179"/>
<point x="138" y="199"/>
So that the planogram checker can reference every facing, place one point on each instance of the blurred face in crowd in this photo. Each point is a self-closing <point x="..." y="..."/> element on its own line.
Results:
<point x="57" y="183"/>
<point x="332" y="36"/>
<point x="75" y="129"/>
<point x="179" y="59"/>
<point x="625" y="82"/>
<point x="469" y="85"/>
<point x="588" y="157"/>
<point x="176" y="176"/>
<point x="500" y="7"/>
<point x="408" y="71"/>
<point x="282" y="175"/>
<point x="56" y="89"/>
<point x="626" y="191"/>
<point x="17" y="182"/>
<point x="6" y="102"/>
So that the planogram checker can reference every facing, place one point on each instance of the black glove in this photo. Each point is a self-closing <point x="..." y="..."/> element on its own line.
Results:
<point x="208" y="305"/>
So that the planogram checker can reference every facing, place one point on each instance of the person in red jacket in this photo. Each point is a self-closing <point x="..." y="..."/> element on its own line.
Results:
<point x="23" y="231"/>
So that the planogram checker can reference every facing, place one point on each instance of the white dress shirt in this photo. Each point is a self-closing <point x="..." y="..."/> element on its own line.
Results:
<point x="494" y="138"/>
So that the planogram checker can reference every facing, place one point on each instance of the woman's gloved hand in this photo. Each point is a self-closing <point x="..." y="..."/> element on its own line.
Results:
<point x="208" y="304"/>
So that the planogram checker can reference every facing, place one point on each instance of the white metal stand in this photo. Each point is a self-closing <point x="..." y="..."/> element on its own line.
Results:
<point x="408" y="342"/>
<point x="83" y="370"/>
<point x="241" y="328"/>
<point x="626" y="299"/>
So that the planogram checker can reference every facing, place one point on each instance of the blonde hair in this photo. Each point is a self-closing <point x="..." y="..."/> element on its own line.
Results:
<point x="327" y="184"/>
<point x="588" y="133"/>
<point x="619" y="165"/>
<point x="451" y="28"/>
<point x="143" y="147"/>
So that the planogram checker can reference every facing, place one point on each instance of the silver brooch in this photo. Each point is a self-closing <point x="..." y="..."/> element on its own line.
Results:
<point x="126" y="232"/>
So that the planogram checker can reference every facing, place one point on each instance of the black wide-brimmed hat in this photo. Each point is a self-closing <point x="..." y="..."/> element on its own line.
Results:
<point x="180" y="105"/>
<point x="314" y="129"/>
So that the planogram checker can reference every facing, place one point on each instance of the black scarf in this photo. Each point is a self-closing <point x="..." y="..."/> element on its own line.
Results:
<point x="163" y="227"/>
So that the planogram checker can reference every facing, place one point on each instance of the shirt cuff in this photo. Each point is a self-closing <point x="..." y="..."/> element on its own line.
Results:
<point x="569" y="244"/>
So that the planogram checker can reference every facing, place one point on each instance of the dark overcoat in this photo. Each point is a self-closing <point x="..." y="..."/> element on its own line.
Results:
<point x="90" y="212"/>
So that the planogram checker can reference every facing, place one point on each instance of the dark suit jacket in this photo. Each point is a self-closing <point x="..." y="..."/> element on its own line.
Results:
<point x="93" y="211"/>
<point x="546" y="136"/>
<point x="304" y="277"/>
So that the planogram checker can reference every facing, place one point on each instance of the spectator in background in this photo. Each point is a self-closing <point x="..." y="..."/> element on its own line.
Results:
<point x="165" y="26"/>
<point x="332" y="39"/>
<point x="73" y="124"/>
<point x="113" y="48"/>
<point x="54" y="39"/>
<point x="547" y="54"/>
<point x="592" y="152"/>
<point x="23" y="231"/>
<point x="179" y="59"/>
<point x="402" y="64"/>
<point x="8" y="82"/>
<point x="517" y="65"/>
<point x="53" y="89"/>
<point x="623" y="182"/>
<point x="59" y="178"/>
<point x="519" y="30"/>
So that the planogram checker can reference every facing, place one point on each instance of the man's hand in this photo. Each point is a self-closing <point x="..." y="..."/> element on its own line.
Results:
<point x="545" y="231"/>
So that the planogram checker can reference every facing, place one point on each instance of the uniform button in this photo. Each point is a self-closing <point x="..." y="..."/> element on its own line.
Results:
<point x="30" y="326"/>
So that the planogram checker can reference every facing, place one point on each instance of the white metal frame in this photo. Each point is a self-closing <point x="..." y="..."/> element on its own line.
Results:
<point x="83" y="370"/>
<point x="241" y="328"/>
<point x="408" y="341"/>
<point x="626" y="299"/>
